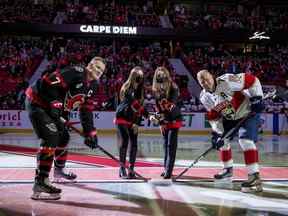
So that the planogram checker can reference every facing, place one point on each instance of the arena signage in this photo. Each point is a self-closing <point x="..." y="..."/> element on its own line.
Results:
<point x="19" y="119"/>
<point x="10" y="118"/>
<point x="101" y="29"/>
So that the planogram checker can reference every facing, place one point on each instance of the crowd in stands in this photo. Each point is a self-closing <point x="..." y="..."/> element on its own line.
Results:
<point x="97" y="12"/>
<point x="120" y="61"/>
<point x="269" y="63"/>
<point x="142" y="13"/>
<point x="18" y="11"/>
<point x="18" y="61"/>
<point x="20" y="58"/>
<point x="232" y="17"/>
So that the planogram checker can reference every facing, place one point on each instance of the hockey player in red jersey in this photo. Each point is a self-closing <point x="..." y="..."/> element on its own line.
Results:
<point x="168" y="115"/>
<point x="53" y="96"/>
<point x="228" y="99"/>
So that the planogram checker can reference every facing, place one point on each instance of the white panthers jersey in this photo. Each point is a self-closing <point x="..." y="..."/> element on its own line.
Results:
<point x="231" y="96"/>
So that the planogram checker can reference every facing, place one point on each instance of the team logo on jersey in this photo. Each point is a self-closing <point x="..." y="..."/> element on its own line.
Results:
<point x="79" y="69"/>
<point x="226" y="108"/>
<point x="228" y="112"/>
<point x="73" y="102"/>
<point x="223" y="95"/>
<point x="221" y="106"/>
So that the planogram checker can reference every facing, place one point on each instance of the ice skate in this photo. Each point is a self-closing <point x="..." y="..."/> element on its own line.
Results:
<point x="225" y="175"/>
<point x="43" y="190"/>
<point x="252" y="184"/>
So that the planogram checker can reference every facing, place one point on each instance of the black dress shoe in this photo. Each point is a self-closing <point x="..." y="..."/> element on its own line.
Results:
<point x="122" y="173"/>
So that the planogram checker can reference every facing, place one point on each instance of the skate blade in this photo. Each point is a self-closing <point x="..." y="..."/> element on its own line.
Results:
<point x="224" y="180"/>
<point x="252" y="189"/>
<point x="63" y="181"/>
<point x="224" y="184"/>
<point x="45" y="196"/>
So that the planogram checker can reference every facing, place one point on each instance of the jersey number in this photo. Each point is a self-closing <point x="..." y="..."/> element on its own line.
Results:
<point x="56" y="81"/>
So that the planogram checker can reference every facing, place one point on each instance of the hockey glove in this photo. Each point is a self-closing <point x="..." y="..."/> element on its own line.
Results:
<point x="56" y="109"/>
<point x="91" y="140"/>
<point x="257" y="105"/>
<point x="216" y="141"/>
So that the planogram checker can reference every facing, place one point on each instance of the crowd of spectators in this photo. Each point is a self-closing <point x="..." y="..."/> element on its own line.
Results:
<point x="97" y="12"/>
<point x="232" y="17"/>
<point x="18" y="61"/>
<point x="269" y="63"/>
<point x="120" y="60"/>
<point x="20" y="58"/>
<point x="18" y="11"/>
<point x="142" y="13"/>
<point x="61" y="53"/>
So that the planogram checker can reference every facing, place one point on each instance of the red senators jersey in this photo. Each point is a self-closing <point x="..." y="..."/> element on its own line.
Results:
<point x="68" y="89"/>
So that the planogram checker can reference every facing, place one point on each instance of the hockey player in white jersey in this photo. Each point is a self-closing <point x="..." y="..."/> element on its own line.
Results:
<point x="228" y="99"/>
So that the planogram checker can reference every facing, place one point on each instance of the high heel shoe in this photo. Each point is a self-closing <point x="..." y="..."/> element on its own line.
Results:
<point x="131" y="173"/>
<point x="122" y="173"/>
<point x="167" y="175"/>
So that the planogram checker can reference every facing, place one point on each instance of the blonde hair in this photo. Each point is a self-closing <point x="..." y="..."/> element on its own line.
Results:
<point x="201" y="73"/>
<point x="98" y="58"/>
<point x="134" y="73"/>
<point x="157" y="88"/>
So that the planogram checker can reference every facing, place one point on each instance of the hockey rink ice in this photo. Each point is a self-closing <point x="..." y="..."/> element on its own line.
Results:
<point x="99" y="190"/>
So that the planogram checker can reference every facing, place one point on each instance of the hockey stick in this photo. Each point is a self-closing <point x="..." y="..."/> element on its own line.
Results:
<point x="68" y="124"/>
<point x="225" y="136"/>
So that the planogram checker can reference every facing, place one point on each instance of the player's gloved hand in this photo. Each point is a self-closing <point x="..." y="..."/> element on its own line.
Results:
<point x="91" y="140"/>
<point x="56" y="109"/>
<point x="216" y="141"/>
<point x="257" y="105"/>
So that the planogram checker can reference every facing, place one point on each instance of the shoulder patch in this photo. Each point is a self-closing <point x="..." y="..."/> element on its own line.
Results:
<point x="79" y="85"/>
<point x="234" y="78"/>
<point x="79" y="69"/>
